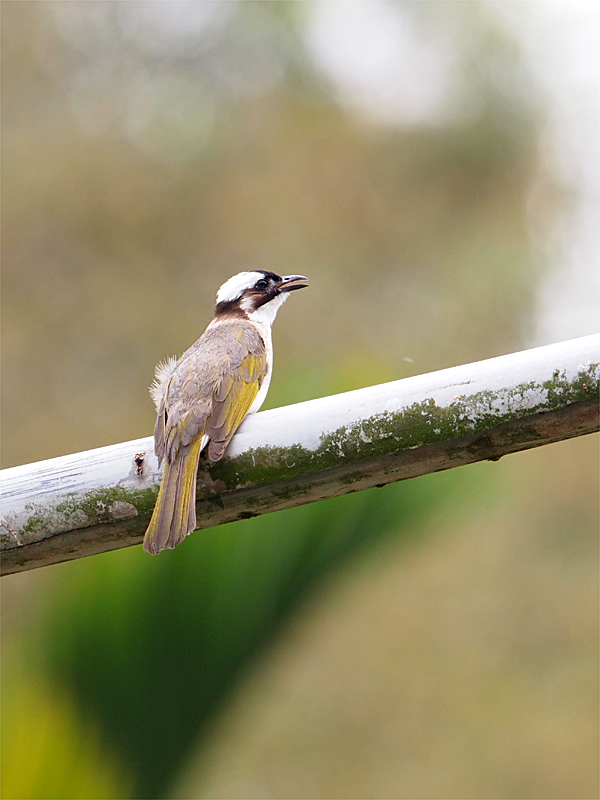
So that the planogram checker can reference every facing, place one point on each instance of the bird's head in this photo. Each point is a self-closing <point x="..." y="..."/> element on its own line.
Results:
<point x="258" y="294"/>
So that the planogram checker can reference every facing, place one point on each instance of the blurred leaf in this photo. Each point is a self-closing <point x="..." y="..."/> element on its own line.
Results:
<point x="151" y="647"/>
<point x="48" y="749"/>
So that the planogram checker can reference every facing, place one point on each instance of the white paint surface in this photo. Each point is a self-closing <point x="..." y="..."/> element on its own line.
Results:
<point x="305" y="423"/>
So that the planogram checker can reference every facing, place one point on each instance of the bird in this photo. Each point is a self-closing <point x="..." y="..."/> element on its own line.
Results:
<point x="202" y="397"/>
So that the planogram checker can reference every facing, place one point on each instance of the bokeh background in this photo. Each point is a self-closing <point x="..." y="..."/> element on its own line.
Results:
<point x="433" y="168"/>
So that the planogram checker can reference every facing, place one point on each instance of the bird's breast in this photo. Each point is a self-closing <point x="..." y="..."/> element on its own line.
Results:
<point x="264" y="331"/>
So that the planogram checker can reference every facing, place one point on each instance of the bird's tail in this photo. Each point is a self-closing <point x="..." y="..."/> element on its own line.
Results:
<point x="175" y="510"/>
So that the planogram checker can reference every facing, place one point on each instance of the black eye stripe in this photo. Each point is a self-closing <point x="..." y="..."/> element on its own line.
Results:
<point x="270" y="275"/>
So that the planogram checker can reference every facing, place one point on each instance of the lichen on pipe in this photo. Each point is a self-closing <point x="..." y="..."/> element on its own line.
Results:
<point x="87" y="503"/>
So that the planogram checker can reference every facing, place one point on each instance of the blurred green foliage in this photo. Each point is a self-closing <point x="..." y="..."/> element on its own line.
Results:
<point x="137" y="176"/>
<point x="151" y="647"/>
<point x="48" y="750"/>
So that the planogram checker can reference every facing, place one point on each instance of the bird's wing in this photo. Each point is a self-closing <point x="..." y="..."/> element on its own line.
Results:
<point x="237" y="388"/>
<point x="211" y="389"/>
<point x="232" y="401"/>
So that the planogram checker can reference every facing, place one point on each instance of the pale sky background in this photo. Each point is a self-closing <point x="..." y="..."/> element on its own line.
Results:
<point x="368" y="59"/>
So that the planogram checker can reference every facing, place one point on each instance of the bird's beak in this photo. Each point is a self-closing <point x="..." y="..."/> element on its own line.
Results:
<point x="291" y="282"/>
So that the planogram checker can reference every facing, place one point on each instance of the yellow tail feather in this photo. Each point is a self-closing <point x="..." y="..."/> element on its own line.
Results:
<point x="175" y="510"/>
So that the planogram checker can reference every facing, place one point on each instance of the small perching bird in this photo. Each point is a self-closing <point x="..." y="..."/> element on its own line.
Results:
<point x="202" y="398"/>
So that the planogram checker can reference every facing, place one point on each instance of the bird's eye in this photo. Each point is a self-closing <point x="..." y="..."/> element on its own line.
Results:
<point x="261" y="284"/>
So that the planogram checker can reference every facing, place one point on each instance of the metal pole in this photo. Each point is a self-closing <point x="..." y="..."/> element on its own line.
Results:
<point x="99" y="500"/>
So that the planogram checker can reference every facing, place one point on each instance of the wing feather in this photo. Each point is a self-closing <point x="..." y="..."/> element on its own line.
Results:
<point x="228" y="414"/>
<point x="211" y="389"/>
